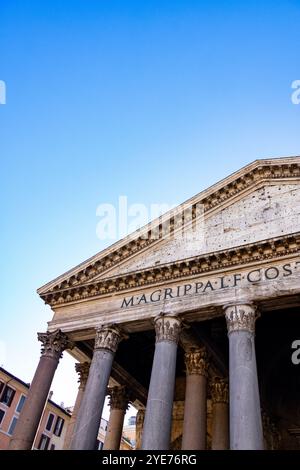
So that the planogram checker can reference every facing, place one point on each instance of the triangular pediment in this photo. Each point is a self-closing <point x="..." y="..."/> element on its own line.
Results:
<point x="260" y="201"/>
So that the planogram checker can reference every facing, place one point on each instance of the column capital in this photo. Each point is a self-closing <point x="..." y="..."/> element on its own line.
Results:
<point x="54" y="343"/>
<point x="82" y="369"/>
<point x="241" y="317"/>
<point x="119" y="397"/>
<point x="196" y="362"/>
<point x="167" y="328"/>
<point x="219" y="390"/>
<point x="108" y="337"/>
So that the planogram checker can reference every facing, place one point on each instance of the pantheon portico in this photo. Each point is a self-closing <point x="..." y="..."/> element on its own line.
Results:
<point x="194" y="330"/>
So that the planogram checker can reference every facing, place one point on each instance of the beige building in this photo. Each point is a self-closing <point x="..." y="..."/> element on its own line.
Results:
<point x="51" y="431"/>
<point x="192" y="319"/>
<point x="53" y="427"/>
<point x="129" y="431"/>
<point x="126" y="442"/>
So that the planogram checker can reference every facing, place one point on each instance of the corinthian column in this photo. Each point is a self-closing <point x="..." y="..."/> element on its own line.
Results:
<point x="245" y="415"/>
<point x="83" y="371"/>
<point x="194" y="424"/>
<point x="118" y="401"/>
<point x="158" y="419"/>
<point x="90" y="411"/>
<point x="53" y="344"/>
<point x="219" y="397"/>
<point x="139" y="423"/>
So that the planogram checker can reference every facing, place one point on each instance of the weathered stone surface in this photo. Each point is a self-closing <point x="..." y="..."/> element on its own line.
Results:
<point x="90" y="411"/>
<point x="267" y="209"/>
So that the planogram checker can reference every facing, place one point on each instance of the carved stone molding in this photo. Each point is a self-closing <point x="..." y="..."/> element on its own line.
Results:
<point x="82" y="368"/>
<point x="54" y="343"/>
<point x="108" y="337"/>
<point x="261" y="251"/>
<point x="241" y="317"/>
<point x="119" y="398"/>
<point x="197" y="362"/>
<point x="219" y="390"/>
<point x="167" y="328"/>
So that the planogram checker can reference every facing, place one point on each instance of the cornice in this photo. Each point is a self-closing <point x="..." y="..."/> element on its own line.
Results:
<point x="287" y="168"/>
<point x="218" y="261"/>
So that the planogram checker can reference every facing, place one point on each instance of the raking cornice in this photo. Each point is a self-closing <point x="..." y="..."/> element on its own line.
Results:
<point x="280" y="169"/>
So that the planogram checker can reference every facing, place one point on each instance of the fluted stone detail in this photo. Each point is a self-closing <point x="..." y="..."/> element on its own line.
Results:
<point x="167" y="328"/>
<point x="197" y="362"/>
<point x="219" y="390"/>
<point x="54" y="343"/>
<point x="82" y="369"/>
<point x="241" y="317"/>
<point x="119" y="398"/>
<point x="108" y="337"/>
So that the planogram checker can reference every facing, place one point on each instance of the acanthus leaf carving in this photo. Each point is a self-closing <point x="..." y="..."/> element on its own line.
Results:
<point x="54" y="343"/>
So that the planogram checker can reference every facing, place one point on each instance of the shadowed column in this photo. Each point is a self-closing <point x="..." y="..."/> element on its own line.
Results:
<point x="139" y="424"/>
<point x="158" y="418"/>
<point x="90" y="411"/>
<point x="119" y="399"/>
<point x="53" y="344"/>
<point x="219" y="398"/>
<point x="83" y="370"/>
<point x="194" y="424"/>
<point x="245" y="415"/>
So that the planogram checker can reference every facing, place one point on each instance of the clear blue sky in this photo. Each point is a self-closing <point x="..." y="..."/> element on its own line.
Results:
<point x="155" y="100"/>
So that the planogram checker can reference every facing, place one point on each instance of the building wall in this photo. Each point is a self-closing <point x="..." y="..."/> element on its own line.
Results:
<point x="11" y="414"/>
<point x="129" y="433"/>
<point x="10" y="410"/>
<point x="53" y="433"/>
